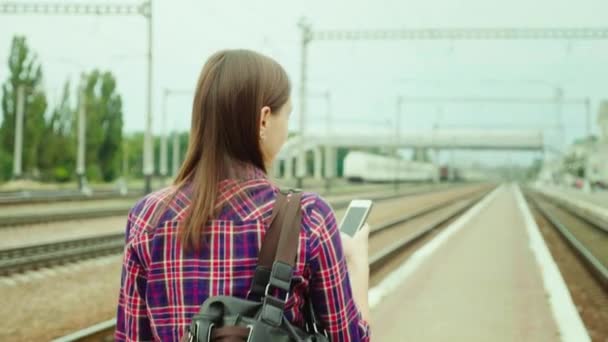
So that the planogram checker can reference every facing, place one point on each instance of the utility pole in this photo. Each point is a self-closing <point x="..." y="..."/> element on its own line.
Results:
<point x="18" y="151"/>
<point x="438" y="118"/>
<point x="163" y="136"/>
<point x="81" y="152"/>
<point x="176" y="152"/>
<point x="328" y="151"/>
<point x="397" y="138"/>
<point x="143" y="9"/>
<point x="588" y="115"/>
<point x="587" y="186"/>
<point x="306" y="31"/>
<point x="148" y="142"/>
<point x="559" y="98"/>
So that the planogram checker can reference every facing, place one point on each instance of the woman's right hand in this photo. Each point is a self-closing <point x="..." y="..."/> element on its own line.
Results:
<point x="356" y="248"/>
<point x="357" y="262"/>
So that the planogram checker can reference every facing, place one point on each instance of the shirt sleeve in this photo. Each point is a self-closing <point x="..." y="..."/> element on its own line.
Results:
<point x="132" y="322"/>
<point x="331" y="291"/>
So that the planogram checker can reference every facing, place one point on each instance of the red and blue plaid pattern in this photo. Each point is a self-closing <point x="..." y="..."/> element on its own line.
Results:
<point x="162" y="286"/>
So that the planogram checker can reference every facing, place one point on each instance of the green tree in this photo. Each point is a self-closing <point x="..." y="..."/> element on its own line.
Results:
<point x="103" y="126"/>
<point x="58" y="153"/>
<point x="133" y="148"/>
<point x="24" y="71"/>
<point x="6" y="165"/>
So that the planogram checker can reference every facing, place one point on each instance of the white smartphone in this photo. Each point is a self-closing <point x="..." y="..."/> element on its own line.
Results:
<point x="355" y="216"/>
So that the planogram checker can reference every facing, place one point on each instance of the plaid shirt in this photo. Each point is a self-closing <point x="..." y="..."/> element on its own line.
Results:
<point x="162" y="287"/>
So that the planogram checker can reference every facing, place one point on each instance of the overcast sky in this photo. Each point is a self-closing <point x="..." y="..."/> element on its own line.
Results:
<point x="364" y="78"/>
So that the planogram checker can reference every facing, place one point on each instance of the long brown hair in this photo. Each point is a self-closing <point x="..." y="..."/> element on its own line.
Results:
<point x="232" y="89"/>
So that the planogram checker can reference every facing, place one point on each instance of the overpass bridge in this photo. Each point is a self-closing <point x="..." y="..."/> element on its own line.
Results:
<point x="324" y="146"/>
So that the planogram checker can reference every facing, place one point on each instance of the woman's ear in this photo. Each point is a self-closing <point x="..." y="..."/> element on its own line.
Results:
<point x="265" y="113"/>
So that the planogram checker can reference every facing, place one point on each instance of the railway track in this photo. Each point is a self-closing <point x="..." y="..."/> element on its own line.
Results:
<point x="25" y="197"/>
<point x="12" y="220"/>
<point x="21" y="259"/>
<point x="586" y="236"/>
<point x="33" y="257"/>
<point x="455" y="206"/>
<point x="35" y="218"/>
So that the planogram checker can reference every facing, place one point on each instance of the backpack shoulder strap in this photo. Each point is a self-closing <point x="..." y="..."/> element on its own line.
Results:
<point x="269" y="247"/>
<point x="282" y="268"/>
<point x="290" y="231"/>
<point x="271" y="239"/>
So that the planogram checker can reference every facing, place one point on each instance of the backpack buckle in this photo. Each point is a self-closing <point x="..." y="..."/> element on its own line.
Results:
<point x="250" y="327"/>
<point x="209" y="332"/>
<point x="316" y="328"/>
<point x="267" y="291"/>
<point x="192" y="335"/>
<point x="280" y="279"/>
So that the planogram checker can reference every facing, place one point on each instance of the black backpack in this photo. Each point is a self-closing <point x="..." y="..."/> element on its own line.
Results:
<point x="260" y="316"/>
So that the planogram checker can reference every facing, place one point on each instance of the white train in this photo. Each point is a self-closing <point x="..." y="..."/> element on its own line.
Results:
<point x="367" y="167"/>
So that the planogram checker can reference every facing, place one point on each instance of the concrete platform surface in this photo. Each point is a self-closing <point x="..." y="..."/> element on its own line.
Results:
<point x="483" y="284"/>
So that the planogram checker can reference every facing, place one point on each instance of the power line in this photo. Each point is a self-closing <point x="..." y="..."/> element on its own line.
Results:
<point x="582" y="33"/>
<point x="502" y="100"/>
<point x="309" y="35"/>
<point x="75" y="8"/>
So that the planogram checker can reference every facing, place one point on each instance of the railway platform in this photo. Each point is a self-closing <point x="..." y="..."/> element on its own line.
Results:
<point x="487" y="277"/>
<point x="590" y="206"/>
<point x="597" y="199"/>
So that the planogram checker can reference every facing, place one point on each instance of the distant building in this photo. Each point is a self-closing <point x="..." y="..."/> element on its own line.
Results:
<point x="585" y="159"/>
<point x="598" y="159"/>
